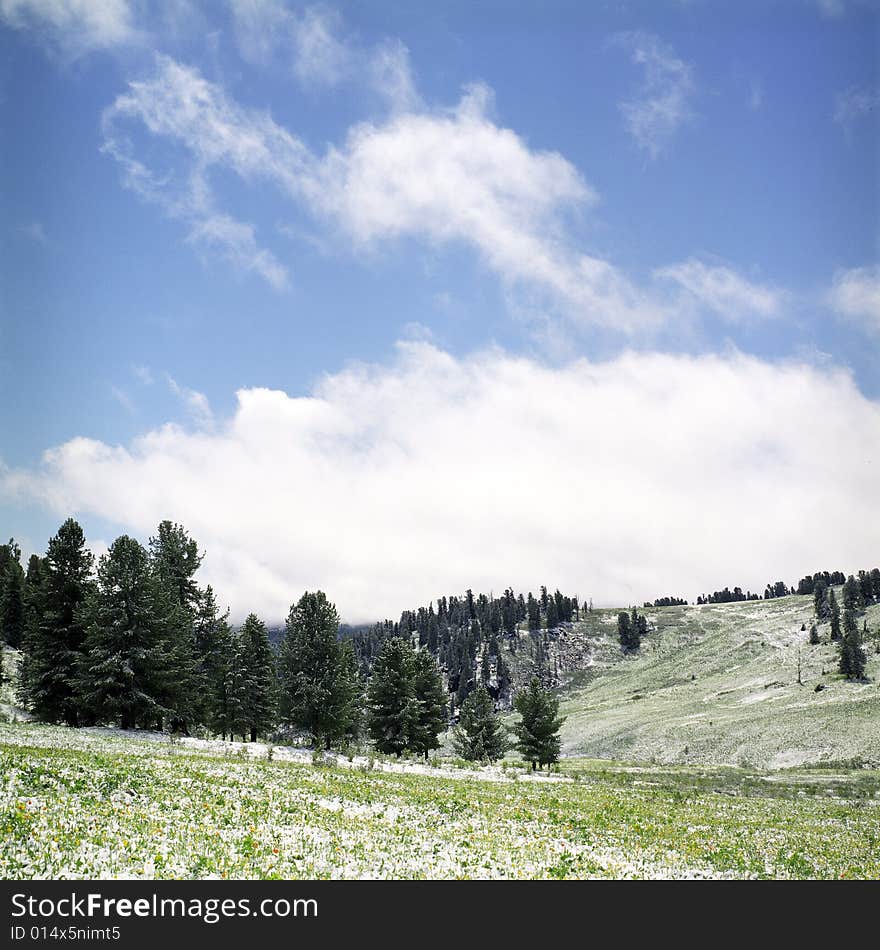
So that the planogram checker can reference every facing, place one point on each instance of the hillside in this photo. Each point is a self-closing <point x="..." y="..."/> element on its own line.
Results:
<point x="716" y="684"/>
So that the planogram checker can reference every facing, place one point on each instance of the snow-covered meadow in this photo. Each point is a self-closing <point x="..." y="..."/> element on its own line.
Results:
<point x="99" y="804"/>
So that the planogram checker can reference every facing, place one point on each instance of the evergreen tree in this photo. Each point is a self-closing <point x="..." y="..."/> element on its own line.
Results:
<point x="820" y="598"/>
<point x="814" y="634"/>
<point x="174" y="560"/>
<point x="33" y="612"/>
<point x="538" y="728"/>
<point x="12" y="619"/>
<point x="479" y="735"/>
<point x="55" y="644"/>
<point x="852" y="594"/>
<point x="320" y="688"/>
<point x="429" y="714"/>
<point x="624" y="629"/>
<point x="254" y="692"/>
<point x="390" y="697"/>
<point x="212" y="647"/>
<point x="852" y="656"/>
<point x="834" y="614"/>
<point x="123" y="663"/>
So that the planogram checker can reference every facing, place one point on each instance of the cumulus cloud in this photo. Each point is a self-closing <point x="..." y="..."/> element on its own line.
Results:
<point x="390" y="485"/>
<point x="855" y="294"/>
<point x="662" y="103"/>
<point x="77" y="26"/>
<point x="722" y="290"/>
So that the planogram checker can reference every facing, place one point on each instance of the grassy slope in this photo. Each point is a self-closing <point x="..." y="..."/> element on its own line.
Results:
<point x="718" y="684"/>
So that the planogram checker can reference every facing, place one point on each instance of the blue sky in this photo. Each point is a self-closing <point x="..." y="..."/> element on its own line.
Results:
<point x="337" y="204"/>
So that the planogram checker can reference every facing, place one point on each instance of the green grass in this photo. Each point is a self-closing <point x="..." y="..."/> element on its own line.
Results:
<point x="75" y="804"/>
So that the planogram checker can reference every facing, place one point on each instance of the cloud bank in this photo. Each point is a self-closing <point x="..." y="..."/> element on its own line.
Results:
<point x="390" y="485"/>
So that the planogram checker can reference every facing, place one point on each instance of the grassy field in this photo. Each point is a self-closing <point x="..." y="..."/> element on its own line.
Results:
<point x="79" y="804"/>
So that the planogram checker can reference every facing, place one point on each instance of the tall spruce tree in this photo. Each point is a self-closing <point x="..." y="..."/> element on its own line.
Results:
<point x="852" y="656"/>
<point x="834" y="614"/>
<point x="320" y="689"/>
<point x="429" y="716"/>
<point x="254" y="681"/>
<point x="625" y="631"/>
<point x="55" y="644"/>
<point x="12" y="619"/>
<point x="120" y="672"/>
<point x="538" y="729"/>
<point x="175" y="558"/>
<point x="390" y="696"/>
<point x="214" y="649"/>
<point x="479" y="735"/>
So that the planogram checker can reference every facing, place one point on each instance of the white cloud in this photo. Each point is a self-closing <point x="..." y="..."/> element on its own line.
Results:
<point x="756" y="95"/>
<point x="143" y="374"/>
<point x="853" y="104"/>
<point x="722" y="290"/>
<point x="441" y="176"/>
<point x="832" y="9"/>
<point x="388" y="486"/>
<point x="75" y="25"/>
<point x="855" y="294"/>
<point x="122" y="397"/>
<point x="196" y="403"/>
<point x="663" y="102"/>
<point x="179" y="106"/>
<point x="308" y="42"/>
<point x="35" y="232"/>
<point x="390" y="74"/>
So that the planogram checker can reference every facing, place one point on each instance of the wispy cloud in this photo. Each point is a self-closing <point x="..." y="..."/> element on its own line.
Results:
<point x="854" y="104"/>
<point x="855" y="294"/>
<point x="122" y="397"/>
<point x="756" y="95"/>
<point x="195" y="403"/>
<point x="34" y="231"/>
<point x="439" y="175"/>
<point x="662" y="103"/>
<point x="722" y="290"/>
<point x="831" y="9"/>
<point x="75" y="26"/>
<point x="602" y="502"/>
<point x="179" y="105"/>
<point x="143" y="374"/>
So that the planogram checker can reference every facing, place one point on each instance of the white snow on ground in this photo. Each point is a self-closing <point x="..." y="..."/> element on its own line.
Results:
<point x="282" y="753"/>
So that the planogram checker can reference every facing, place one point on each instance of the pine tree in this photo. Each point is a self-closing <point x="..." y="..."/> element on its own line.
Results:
<point x="479" y="735"/>
<point x="852" y="594"/>
<point x="212" y="647"/>
<point x="254" y="685"/>
<point x="538" y="728"/>
<point x="429" y="715"/>
<point x="814" y="634"/>
<point x="34" y="592"/>
<point x="120" y="669"/>
<point x="12" y="619"/>
<point x="55" y="644"/>
<point x="834" y="614"/>
<point x="852" y="656"/>
<point x="175" y="558"/>
<point x="390" y="697"/>
<point x="320" y="688"/>
<point x="625" y="630"/>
